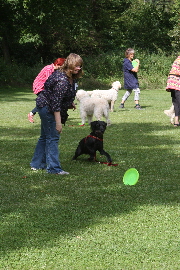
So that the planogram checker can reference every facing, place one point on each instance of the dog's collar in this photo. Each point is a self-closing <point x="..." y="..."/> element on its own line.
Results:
<point x="91" y="136"/>
<point x="115" y="89"/>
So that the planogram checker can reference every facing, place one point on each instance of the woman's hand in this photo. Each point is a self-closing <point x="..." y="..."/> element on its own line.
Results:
<point x="59" y="127"/>
<point x="137" y="60"/>
<point x="135" y="69"/>
<point x="73" y="106"/>
<point x="57" y="116"/>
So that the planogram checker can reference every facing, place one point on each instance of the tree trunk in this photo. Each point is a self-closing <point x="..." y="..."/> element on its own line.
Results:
<point x="5" y="50"/>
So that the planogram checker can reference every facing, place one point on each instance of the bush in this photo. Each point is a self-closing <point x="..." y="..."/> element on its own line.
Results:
<point x="15" y="74"/>
<point x="106" y="68"/>
<point x="100" y="71"/>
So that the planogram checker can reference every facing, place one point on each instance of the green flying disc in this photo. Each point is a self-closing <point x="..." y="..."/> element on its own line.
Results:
<point x="134" y="63"/>
<point x="86" y="124"/>
<point x="131" y="177"/>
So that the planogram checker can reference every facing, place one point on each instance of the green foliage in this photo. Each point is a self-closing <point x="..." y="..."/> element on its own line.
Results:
<point x="147" y="28"/>
<point x="106" y="68"/>
<point x="175" y="32"/>
<point x="100" y="70"/>
<point x="103" y="66"/>
<point x="89" y="219"/>
<point x="18" y="74"/>
<point x="154" y="69"/>
<point x="32" y="31"/>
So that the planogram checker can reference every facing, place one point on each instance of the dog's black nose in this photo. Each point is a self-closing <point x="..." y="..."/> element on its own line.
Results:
<point x="102" y="129"/>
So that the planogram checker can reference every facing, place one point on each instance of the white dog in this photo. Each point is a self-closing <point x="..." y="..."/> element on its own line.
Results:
<point x="110" y="95"/>
<point x="170" y="113"/>
<point x="90" y="106"/>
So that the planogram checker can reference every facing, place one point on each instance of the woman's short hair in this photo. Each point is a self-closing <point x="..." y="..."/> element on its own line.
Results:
<point x="73" y="60"/>
<point x="128" y="52"/>
<point x="59" y="61"/>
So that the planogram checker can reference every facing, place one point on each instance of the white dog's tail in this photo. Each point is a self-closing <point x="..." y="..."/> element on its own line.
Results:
<point x="89" y="93"/>
<point x="106" y="114"/>
<point x="170" y="111"/>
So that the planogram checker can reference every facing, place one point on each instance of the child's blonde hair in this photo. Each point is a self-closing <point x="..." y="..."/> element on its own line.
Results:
<point x="73" y="60"/>
<point x="128" y="52"/>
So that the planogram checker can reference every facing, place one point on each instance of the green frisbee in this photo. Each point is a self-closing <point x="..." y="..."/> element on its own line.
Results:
<point x="131" y="177"/>
<point x="134" y="63"/>
<point x="86" y="124"/>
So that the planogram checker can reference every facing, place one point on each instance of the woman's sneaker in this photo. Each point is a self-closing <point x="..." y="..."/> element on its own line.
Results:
<point x="62" y="173"/>
<point x="33" y="169"/>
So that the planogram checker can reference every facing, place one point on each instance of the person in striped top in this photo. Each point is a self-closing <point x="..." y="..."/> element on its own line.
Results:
<point x="38" y="84"/>
<point x="173" y="86"/>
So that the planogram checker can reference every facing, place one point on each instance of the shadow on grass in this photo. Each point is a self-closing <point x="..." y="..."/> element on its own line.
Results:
<point x="14" y="94"/>
<point x="37" y="208"/>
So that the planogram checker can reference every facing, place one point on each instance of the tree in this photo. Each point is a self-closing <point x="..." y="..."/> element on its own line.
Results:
<point x="6" y="29"/>
<point x="146" y="27"/>
<point x="175" y="32"/>
<point x="32" y="31"/>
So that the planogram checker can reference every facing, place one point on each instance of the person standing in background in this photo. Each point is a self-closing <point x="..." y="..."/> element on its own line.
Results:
<point x="130" y="78"/>
<point x="173" y="86"/>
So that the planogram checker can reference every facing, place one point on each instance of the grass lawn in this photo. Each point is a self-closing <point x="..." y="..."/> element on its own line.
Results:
<point x="89" y="220"/>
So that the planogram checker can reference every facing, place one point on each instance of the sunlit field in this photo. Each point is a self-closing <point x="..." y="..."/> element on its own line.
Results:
<point x="89" y="219"/>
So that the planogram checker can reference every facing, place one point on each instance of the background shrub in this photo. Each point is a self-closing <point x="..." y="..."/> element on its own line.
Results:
<point x="100" y="71"/>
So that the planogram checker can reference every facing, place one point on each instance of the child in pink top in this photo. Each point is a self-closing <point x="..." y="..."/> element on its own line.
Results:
<point x="38" y="84"/>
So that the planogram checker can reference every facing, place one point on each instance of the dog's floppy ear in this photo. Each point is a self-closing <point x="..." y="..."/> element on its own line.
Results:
<point x="105" y="124"/>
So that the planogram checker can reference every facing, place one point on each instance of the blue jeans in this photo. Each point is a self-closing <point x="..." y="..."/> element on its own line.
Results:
<point x="46" y="153"/>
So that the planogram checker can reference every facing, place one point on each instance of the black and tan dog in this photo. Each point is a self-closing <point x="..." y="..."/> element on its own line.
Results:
<point x="93" y="142"/>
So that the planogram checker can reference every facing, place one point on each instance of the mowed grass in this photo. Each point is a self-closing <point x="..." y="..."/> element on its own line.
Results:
<point x="90" y="219"/>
